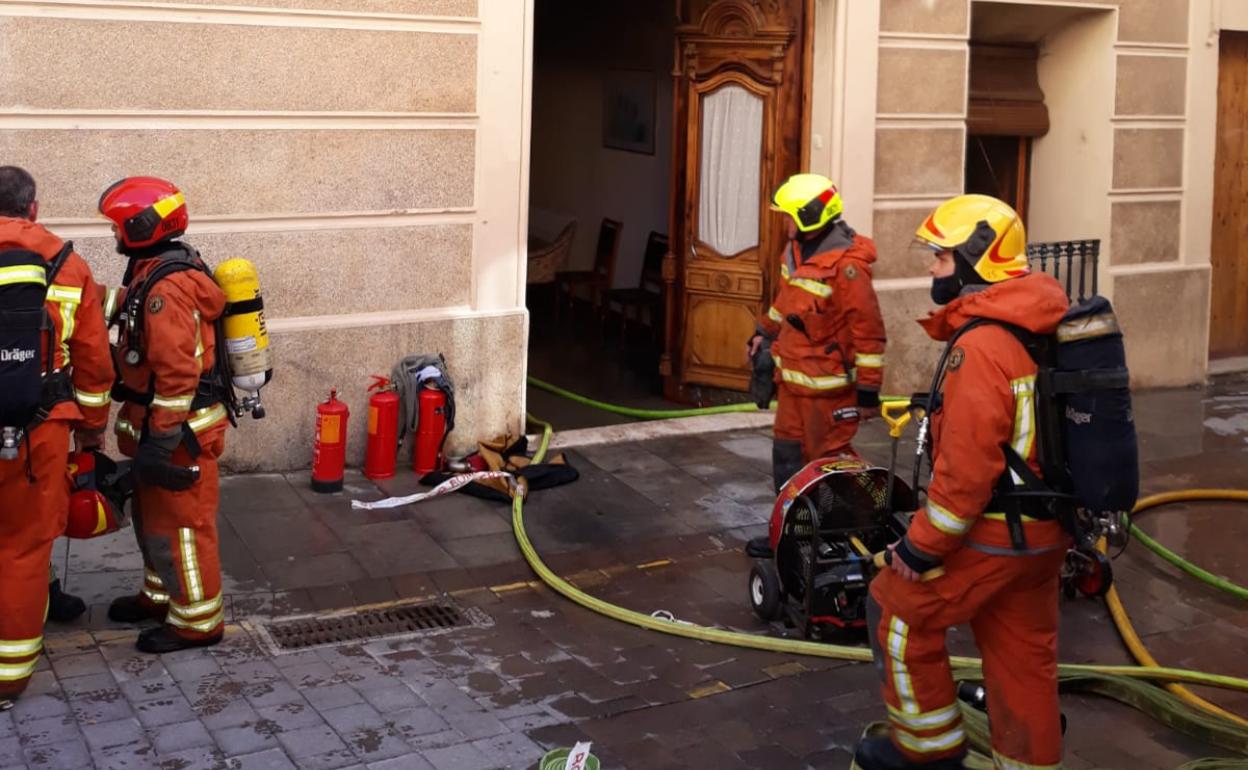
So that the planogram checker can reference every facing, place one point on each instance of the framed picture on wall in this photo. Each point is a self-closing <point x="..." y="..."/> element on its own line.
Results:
<point x="628" y="107"/>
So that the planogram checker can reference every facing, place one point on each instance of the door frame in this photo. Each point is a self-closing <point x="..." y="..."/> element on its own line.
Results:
<point x="794" y="113"/>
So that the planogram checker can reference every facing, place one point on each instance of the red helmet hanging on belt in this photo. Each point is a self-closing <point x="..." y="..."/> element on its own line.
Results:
<point x="144" y="211"/>
<point x="98" y="490"/>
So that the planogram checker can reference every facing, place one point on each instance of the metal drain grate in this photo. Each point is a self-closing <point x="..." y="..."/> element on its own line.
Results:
<point x="301" y="633"/>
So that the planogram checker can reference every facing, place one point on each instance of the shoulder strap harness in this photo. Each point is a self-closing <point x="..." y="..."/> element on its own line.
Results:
<point x="214" y="385"/>
<point x="1019" y="490"/>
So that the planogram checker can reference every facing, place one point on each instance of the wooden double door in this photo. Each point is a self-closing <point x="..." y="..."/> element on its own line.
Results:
<point x="739" y="129"/>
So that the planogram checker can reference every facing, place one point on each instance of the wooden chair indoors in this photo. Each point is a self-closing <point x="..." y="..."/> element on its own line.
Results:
<point x="547" y="259"/>
<point x="598" y="280"/>
<point x="648" y="295"/>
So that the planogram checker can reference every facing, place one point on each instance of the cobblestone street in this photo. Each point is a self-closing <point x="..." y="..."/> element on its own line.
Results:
<point x="651" y="525"/>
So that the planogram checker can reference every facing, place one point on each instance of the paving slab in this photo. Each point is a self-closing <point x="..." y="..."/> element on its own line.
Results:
<point x="651" y="524"/>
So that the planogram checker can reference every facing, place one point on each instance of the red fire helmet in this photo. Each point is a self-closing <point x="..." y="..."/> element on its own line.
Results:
<point x="144" y="210"/>
<point x="97" y="495"/>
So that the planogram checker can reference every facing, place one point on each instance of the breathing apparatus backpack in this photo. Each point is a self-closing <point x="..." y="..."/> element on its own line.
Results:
<point x="242" y="357"/>
<point x="29" y="384"/>
<point x="1086" y="441"/>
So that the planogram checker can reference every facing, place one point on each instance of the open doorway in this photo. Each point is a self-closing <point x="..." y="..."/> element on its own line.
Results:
<point x="632" y="146"/>
<point x="599" y="202"/>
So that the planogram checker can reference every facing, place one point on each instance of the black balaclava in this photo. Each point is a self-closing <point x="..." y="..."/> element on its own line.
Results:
<point x="947" y="289"/>
<point x="137" y="255"/>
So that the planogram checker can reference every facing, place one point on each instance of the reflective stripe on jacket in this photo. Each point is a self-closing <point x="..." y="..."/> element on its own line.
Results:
<point x="79" y="336"/>
<point x="179" y="345"/>
<point x="988" y="400"/>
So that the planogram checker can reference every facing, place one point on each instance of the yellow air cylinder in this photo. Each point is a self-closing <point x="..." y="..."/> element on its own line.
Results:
<point x="246" y="336"/>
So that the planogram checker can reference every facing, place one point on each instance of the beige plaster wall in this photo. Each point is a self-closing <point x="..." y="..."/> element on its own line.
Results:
<point x="414" y="7"/>
<point x="1201" y="147"/>
<point x="1129" y="158"/>
<point x="234" y="67"/>
<point x="1071" y="177"/>
<point x="1230" y="15"/>
<point x="1160" y="345"/>
<point x="371" y="161"/>
<point x="844" y="89"/>
<point x="478" y="348"/>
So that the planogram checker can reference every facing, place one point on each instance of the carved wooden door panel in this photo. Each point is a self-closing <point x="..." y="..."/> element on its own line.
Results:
<point x="738" y="133"/>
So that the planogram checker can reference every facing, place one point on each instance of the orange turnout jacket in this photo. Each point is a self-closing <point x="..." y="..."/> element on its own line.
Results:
<point x="841" y="340"/>
<point x="989" y="399"/>
<point x="180" y="345"/>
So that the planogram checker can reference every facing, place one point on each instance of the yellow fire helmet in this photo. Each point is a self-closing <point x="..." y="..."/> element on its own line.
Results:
<point x="811" y="199"/>
<point x="983" y="230"/>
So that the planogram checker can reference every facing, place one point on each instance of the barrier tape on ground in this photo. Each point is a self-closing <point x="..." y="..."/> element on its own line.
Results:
<point x="445" y="488"/>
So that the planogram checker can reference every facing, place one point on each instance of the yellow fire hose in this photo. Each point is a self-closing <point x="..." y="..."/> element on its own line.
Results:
<point x="1128" y="684"/>
<point x="1119" y="613"/>
<point x="792" y="646"/>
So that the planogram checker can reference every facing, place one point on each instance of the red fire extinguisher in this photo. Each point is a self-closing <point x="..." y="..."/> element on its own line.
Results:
<point x="383" y="429"/>
<point x="329" y="453"/>
<point x="431" y="430"/>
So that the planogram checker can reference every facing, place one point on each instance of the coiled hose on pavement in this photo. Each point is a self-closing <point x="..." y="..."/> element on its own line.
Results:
<point x="1127" y="631"/>
<point x="1132" y="685"/>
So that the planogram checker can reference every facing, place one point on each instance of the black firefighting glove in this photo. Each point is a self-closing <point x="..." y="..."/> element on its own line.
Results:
<point x="155" y="465"/>
<point x="762" y="379"/>
<point x="868" y="398"/>
<point x="914" y="558"/>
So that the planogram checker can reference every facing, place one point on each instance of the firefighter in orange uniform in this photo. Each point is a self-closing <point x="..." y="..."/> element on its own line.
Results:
<point x="173" y="420"/>
<point x="1007" y="594"/>
<point x="74" y="397"/>
<point x="824" y="328"/>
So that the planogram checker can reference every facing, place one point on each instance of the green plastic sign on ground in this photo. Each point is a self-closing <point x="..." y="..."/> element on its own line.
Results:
<point x="575" y="758"/>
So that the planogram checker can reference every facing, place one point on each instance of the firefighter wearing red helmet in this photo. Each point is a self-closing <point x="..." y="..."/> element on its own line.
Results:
<point x="1003" y="585"/>
<point x="66" y="362"/>
<point x="173" y="419"/>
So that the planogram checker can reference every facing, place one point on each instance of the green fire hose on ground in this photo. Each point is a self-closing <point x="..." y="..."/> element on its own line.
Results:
<point x="1131" y="685"/>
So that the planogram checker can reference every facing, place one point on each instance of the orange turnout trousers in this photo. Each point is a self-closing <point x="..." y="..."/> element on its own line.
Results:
<point x="34" y="487"/>
<point x="1007" y="592"/>
<point x="1011" y="604"/>
<point x="176" y="530"/>
<point x="177" y="534"/>
<point x="32" y="515"/>
<point x="828" y="346"/>
<point x="813" y="422"/>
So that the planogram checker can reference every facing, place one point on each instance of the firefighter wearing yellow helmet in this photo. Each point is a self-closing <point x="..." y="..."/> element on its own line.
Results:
<point x="822" y="339"/>
<point x="1001" y="563"/>
<point x="810" y="200"/>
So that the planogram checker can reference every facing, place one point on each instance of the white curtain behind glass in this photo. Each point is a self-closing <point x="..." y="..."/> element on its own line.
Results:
<point x="732" y="148"/>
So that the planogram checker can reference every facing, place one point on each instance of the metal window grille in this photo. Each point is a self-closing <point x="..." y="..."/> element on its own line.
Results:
<point x="1075" y="264"/>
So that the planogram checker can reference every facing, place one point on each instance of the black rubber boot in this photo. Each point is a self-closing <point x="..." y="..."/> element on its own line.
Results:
<point x="786" y="461"/>
<point x="63" y="607"/>
<point x="877" y="752"/>
<point x="163" y="639"/>
<point x="131" y="609"/>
